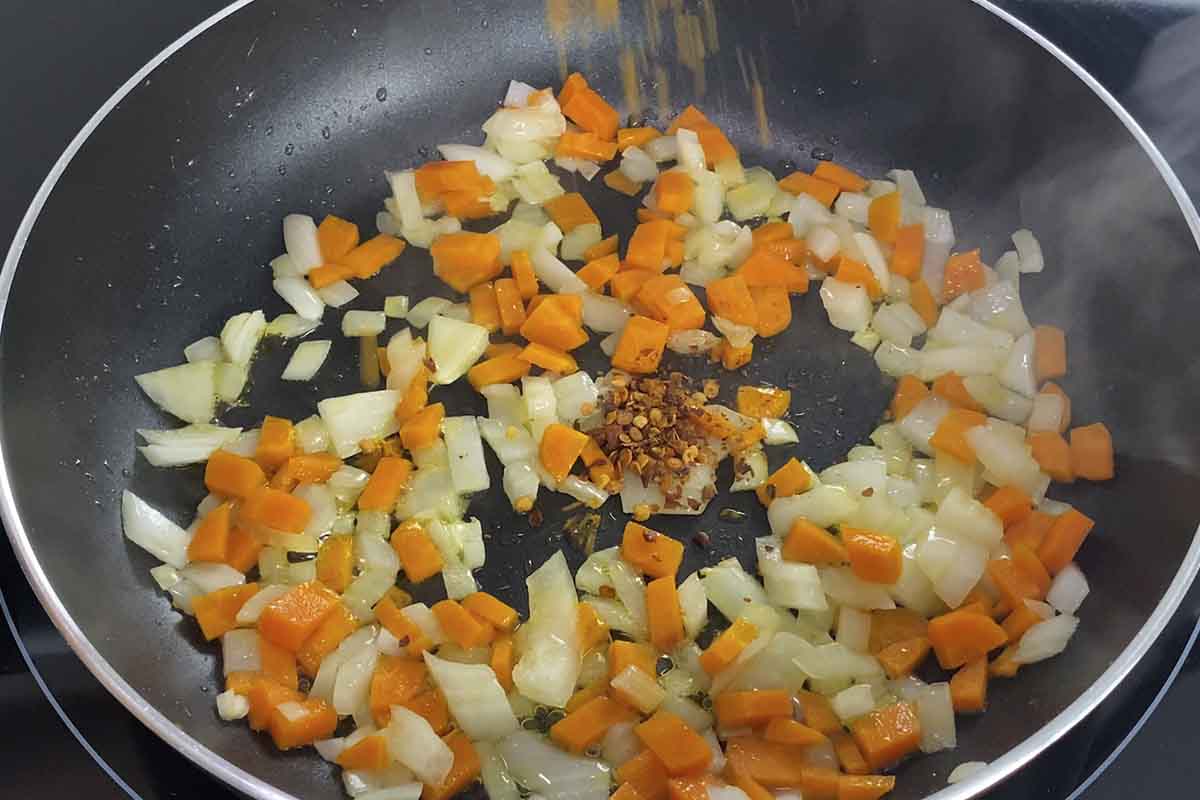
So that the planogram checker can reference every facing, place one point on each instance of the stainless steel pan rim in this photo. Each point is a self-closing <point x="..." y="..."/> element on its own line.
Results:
<point x="996" y="772"/>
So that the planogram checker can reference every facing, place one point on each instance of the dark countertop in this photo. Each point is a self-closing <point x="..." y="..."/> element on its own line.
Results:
<point x="62" y="60"/>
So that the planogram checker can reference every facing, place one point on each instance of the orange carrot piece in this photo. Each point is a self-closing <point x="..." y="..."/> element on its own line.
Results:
<point x="551" y="323"/>
<point x="902" y="658"/>
<point x="964" y="273"/>
<point x="569" y="211"/>
<point x="636" y="137"/>
<point x="883" y="217"/>
<point x="646" y="775"/>
<point x="509" y="305"/>
<point x="485" y="311"/>
<point x="688" y="788"/>
<point x="602" y="248"/>
<point x="641" y="345"/>
<point x="373" y="255"/>
<point x="502" y="369"/>
<point x="908" y="251"/>
<point x="587" y="109"/>
<point x="1092" y="452"/>
<point x="790" y="479"/>
<point x="462" y="774"/>
<point x="769" y="763"/>
<point x="423" y="428"/>
<point x="336" y="237"/>
<point x="950" y="387"/>
<point x="585" y="146"/>
<point x="1049" y="352"/>
<point x="625" y="654"/>
<point x="848" y="755"/>
<point x="818" y="712"/>
<point x="385" y="484"/>
<point x="369" y="753"/>
<point x="1064" y="539"/>
<point x="322" y="276"/>
<point x="664" y="613"/>
<point x="590" y="630"/>
<point x="497" y="349"/>
<point x="335" y="562"/>
<point x="628" y="282"/>
<point x="951" y="434"/>
<point x="890" y="626"/>
<point x="647" y="248"/>
<point x="874" y="557"/>
<point x="771" y="232"/>
<point x="210" y="542"/>
<point x="436" y="178"/>
<point x="242" y="551"/>
<point x="922" y="300"/>
<point x="465" y="259"/>
<point x="549" y="359"/>
<point x="1014" y="584"/>
<point x="668" y="299"/>
<point x="276" y="443"/>
<point x="617" y="181"/>
<point x="752" y="708"/>
<point x="502" y="660"/>
<point x="651" y="552"/>
<point x="571" y="86"/>
<point x="586" y="725"/>
<point x="318" y="722"/>
<point x="680" y="749"/>
<point x="292" y="617"/>
<point x="858" y="274"/>
<point x="734" y="357"/>
<point x="763" y="401"/>
<point x="910" y="391"/>
<point x="784" y="730"/>
<point x="864" y="787"/>
<point x="764" y="268"/>
<point x="887" y="734"/>
<point x="313" y="467"/>
<point x="339" y="624"/>
<point x="460" y="625"/>
<point x="599" y="272"/>
<point x="728" y="646"/>
<point x="419" y="556"/>
<point x="673" y="192"/>
<point x="275" y="509"/>
<point x="968" y="687"/>
<point x="742" y="779"/>
<point x="264" y="695"/>
<point x="1053" y="455"/>
<point x="626" y="791"/>
<point x="806" y="543"/>
<point x="496" y="613"/>
<point x="431" y="705"/>
<point x="1010" y="504"/>
<point x="1019" y="620"/>
<point x="961" y="636"/>
<point x="823" y="191"/>
<point x="560" y="448"/>
<point x="217" y="611"/>
<point x="843" y="178"/>
<point x="523" y="274"/>
<point x="730" y="299"/>
<point x="587" y="694"/>
<point x="1003" y="665"/>
<point x="278" y="665"/>
<point x="772" y="308"/>
<point x="791" y="250"/>
<point x="415" y="396"/>
<point x="231" y="475"/>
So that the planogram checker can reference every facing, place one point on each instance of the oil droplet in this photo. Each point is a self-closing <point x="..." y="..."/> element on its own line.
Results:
<point x="820" y="91"/>
<point x="231" y="174"/>
<point x="282" y="169"/>
<point x="381" y="93"/>
<point x="483" y="23"/>
<point x="270" y="130"/>
<point x="428" y="51"/>
<point x="821" y="154"/>
<point x="191" y="162"/>
<point x="289" y="149"/>
<point x="325" y="132"/>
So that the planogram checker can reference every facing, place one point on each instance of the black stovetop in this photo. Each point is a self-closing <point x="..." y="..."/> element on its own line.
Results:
<point x="66" y="737"/>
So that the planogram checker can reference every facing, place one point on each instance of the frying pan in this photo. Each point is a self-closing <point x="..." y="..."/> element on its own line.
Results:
<point x="154" y="227"/>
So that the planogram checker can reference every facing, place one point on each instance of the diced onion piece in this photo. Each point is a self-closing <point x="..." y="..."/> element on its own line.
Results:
<point x="689" y="153"/>
<point x="637" y="166"/>
<point x="910" y="188"/>
<point x="487" y="162"/>
<point x="1068" y="590"/>
<point x="641" y="689"/>
<point x="939" y="241"/>
<point x="807" y="212"/>
<point x="662" y="148"/>
<point x="1029" y="251"/>
<point x="936" y="712"/>
<point x="189" y="445"/>
<point x="557" y="276"/>
<point x="282" y="266"/>
<point x="693" y="602"/>
<point x="534" y="184"/>
<point x="847" y="589"/>
<point x="468" y="472"/>
<point x="231" y="705"/>
<point x="551" y="773"/>
<point x="961" y="516"/>
<point x="896" y="361"/>
<point x="290" y="326"/>
<point x="353" y="418"/>
<point x="999" y="306"/>
<point x="604" y="314"/>
<point x="793" y="585"/>
<point x="413" y="743"/>
<point x="953" y="567"/>
<point x="240" y="652"/>
<point x="965" y="770"/>
<point x="731" y="589"/>
<point x="738" y="335"/>
<point x="454" y="347"/>
<point x="620" y="744"/>
<point x="576" y="396"/>
<point x="854" y="702"/>
<point x="1006" y="459"/>
<point x="822" y="505"/>
<point x="206" y="349"/>
<point x="337" y="294"/>
<point x="146" y="527"/>
<point x="549" y="664"/>
<point x="521" y="484"/>
<point x="578" y="240"/>
<point x="585" y="492"/>
<point x="187" y="391"/>
<point x="848" y="305"/>
<point x="919" y="424"/>
<point x="396" y="306"/>
<point x="1018" y="372"/>
<point x="300" y="240"/>
<point x="209" y="577"/>
<point x="475" y="697"/>
<point x="631" y="591"/>
<point x="750" y="470"/>
<point x="351" y="688"/>
<point x="423" y="312"/>
<point x="1046" y="639"/>
<point x="997" y="400"/>
<point x="298" y="294"/>
<point x="853" y="629"/>
<point x="1047" y="414"/>
<point x="307" y="360"/>
<point x="510" y="443"/>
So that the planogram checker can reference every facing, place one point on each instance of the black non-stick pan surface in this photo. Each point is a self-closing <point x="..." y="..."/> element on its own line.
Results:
<point x="160" y="226"/>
